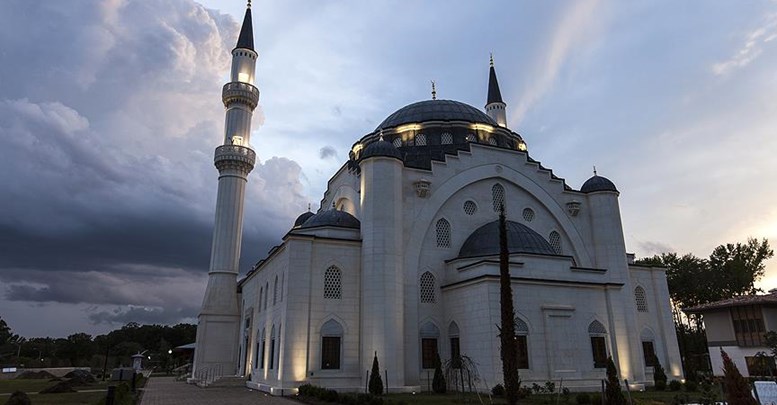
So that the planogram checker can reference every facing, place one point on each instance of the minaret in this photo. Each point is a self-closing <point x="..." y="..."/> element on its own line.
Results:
<point x="495" y="107"/>
<point x="219" y="319"/>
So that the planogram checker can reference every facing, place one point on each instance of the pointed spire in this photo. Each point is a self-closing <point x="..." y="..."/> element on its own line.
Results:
<point x="595" y="171"/>
<point x="494" y="95"/>
<point x="434" y="91"/>
<point x="246" y="38"/>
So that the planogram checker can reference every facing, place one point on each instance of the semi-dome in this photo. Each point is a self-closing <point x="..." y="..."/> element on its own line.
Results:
<point x="520" y="239"/>
<point x="332" y="217"/>
<point x="598" y="183"/>
<point x="436" y="110"/>
<point x="381" y="148"/>
<point x="302" y="218"/>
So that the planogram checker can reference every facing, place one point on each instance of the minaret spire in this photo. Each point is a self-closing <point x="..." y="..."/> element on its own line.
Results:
<point x="219" y="319"/>
<point x="434" y="91"/>
<point x="495" y="107"/>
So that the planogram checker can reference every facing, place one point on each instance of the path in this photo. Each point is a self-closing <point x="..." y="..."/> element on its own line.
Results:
<point x="167" y="391"/>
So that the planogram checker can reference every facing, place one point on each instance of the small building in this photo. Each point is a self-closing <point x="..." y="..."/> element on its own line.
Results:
<point x="737" y="325"/>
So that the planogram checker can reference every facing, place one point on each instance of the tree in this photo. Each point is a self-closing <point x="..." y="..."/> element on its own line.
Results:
<point x="738" y="267"/>
<point x="438" y="383"/>
<point x="613" y="393"/>
<point x="376" y="383"/>
<point x="509" y="351"/>
<point x="659" y="376"/>
<point x="737" y="387"/>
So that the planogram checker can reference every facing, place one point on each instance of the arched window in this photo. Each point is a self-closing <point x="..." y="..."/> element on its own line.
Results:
<point x="648" y="348"/>
<point x="453" y="336"/>
<point x="446" y="138"/>
<point x="443" y="228"/>
<point x="428" y="288"/>
<point x="497" y="196"/>
<point x="272" y="348"/>
<point x="420" y="140"/>
<point x="331" y="341"/>
<point x="259" y="356"/>
<point x="275" y="291"/>
<point x="470" y="208"/>
<point x="397" y="142"/>
<point x="283" y="277"/>
<point x="261" y="292"/>
<point x="333" y="283"/>
<point x="528" y="214"/>
<point x="471" y="138"/>
<point x="521" y="337"/>
<point x="266" y="293"/>
<point x="555" y="242"/>
<point x="597" y="333"/>
<point x="639" y="297"/>
<point x="429" y="335"/>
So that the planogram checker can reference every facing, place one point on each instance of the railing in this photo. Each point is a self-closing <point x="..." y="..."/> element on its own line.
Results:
<point x="235" y="153"/>
<point x="208" y="375"/>
<point x="239" y="91"/>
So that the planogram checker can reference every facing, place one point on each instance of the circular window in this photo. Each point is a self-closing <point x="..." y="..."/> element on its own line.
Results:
<point x="528" y="214"/>
<point x="397" y="142"/>
<point x="470" y="207"/>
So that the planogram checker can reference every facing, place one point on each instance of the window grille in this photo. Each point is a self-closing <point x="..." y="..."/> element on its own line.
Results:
<point x="420" y="140"/>
<point x="428" y="288"/>
<point x="598" y="345"/>
<point x="446" y="138"/>
<point x="397" y="142"/>
<point x="470" y="207"/>
<point x="443" y="228"/>
<point x="492" y="141"/>
<point x="471" y="138"/>
<point x="639" y="297"/>
<point x="555" y="242"/>
<point x="333" y="283"/>
<point x="528" y="214"/>
<point x="596" y="328"/>
<point x="498" y="196"/>
<point x="521" y="328"/>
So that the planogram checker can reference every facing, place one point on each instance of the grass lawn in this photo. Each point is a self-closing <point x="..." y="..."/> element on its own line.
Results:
<point x="642" y="398"/>
<point x="33" y="386"/>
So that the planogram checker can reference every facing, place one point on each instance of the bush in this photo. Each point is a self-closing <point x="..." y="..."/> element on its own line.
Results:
<point x="691" y="386"/>
<point x="376" y="383"/>
<point x="596" y="399"/>
<point x="438" y="383"/>
<point x="675" y="385"/>
<point x="524" y="392"/>
<point x="550" y="387"/>
<point x="583" y="398"/>
<point x="659" y="376"/>
<point x="660" y="385"/>
<point x="498" y="390"/>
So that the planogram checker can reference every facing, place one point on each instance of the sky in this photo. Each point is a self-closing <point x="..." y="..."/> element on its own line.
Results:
<point x="110" y="111"/>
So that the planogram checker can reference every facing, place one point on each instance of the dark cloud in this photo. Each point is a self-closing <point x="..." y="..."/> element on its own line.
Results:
<point x="327" y="152"/>
<point x="108" y="120"/>
<point x="651" y="248"/>
<point x="144" y="315"/>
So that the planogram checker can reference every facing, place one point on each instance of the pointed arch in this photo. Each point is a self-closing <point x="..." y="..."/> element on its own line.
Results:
<point x="597" y="334"/>
<point x="443" y="232"/>
<point x="331" y="345"/>
<point x="429" y="333"/>
<point x="453" y="329"/>
<point x="596" y="328"/>
<point x="272" y="348"/>
<point x="428" y="288"/>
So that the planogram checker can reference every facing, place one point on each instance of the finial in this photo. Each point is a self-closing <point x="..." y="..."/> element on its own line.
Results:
<point x="492" y="59"/>
<point x="249" y="4"/>
<point x="434" y="91"/>
<point x="594" y="170"/>
<point x="308" y="207"/>
<point x="381" y="134"/>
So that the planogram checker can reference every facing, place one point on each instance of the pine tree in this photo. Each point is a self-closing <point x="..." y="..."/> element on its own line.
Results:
<point x="659" y="376"/>
<point x="613" y="393"/>
<point x="376" y="383"/>
<point x="438" y="383"/>
<point x="507" y="331"/>
<point x="737" y="387"/>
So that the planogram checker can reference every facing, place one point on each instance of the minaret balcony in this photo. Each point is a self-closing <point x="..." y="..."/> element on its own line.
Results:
<point x="229" y="155"/>
<point x="240" y="92"/>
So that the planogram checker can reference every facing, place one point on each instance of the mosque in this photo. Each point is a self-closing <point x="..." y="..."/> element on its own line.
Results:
<point x="401" y="261"/>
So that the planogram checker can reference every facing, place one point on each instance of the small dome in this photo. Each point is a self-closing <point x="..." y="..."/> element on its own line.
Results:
<point x="520" y="239"/>
<point x="302" y="218"/>
<point x="598" y="183"/>
<point x="436" y="110"/>
<point x="332" y="217"/>
<point x="381" y="148"/>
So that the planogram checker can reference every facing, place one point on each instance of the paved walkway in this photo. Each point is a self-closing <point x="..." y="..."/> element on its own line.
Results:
<point x="167" y="391"/>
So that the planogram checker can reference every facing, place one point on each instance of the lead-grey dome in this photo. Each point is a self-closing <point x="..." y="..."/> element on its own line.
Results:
<point x="332" y="217"/>
<point x="302" y="218"/>
<point x="598" y="183"/>
<point x="436" y="110"/>
<point x="381" y="148"/>
<point x="520" y="239"/>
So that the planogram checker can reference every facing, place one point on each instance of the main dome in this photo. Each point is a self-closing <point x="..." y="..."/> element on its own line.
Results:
<point x="436" y="110"/>
<point x="520" y="239"/>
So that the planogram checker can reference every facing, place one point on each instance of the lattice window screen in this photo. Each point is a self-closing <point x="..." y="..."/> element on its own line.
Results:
<point x="492" y="141"/>
<point x="498" y="196"/>
<point x="528" y="214"/>
<point x="470" y="207"/>
<point x="428" y="288"/>
<point x="446" y="138"/>
<point x="397" y="142"/>
<point x="555" y="242"/>
<point x="420" y="140"/>
<point x="596" y="328"/>
<point x="443" y="228"/>
<point x="333" y="283"/>
<point x="471" y="138"/>
<point x="521" y="327"/>
<point x="639" y="296"/>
